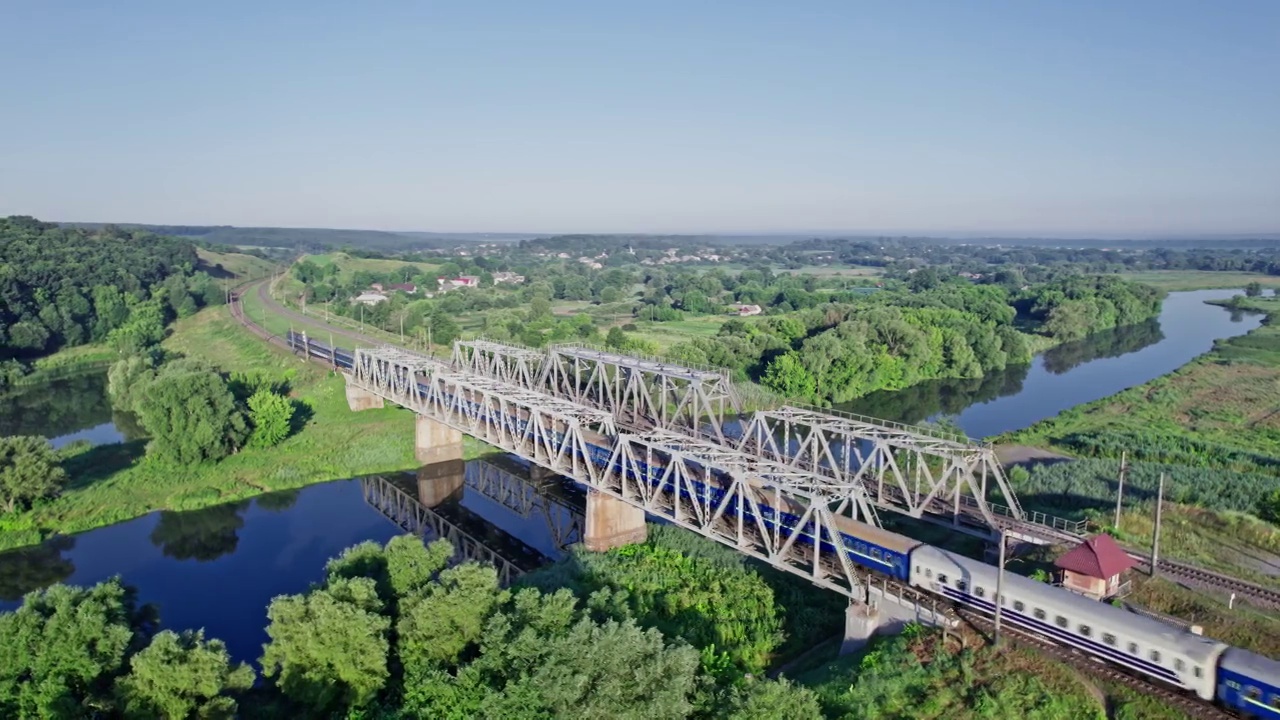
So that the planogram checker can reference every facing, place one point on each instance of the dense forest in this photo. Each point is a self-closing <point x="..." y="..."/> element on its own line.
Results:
<point x="834" y="352"/>
<point x="675" y="627"/>
<point x="64" y="287"/>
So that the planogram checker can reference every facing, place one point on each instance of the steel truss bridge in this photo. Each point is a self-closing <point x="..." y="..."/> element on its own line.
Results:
<point x="669" y="439"/>
<point x="921" y="473"/>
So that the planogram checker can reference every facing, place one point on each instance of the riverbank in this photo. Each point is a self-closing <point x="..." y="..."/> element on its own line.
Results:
<point x="1211" y="428"/>
<point x="1217" y="411"/>
<point x="113" y="483"/>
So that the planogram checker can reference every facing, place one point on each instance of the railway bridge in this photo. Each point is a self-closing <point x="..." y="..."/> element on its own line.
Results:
<point x="647" y="437"/>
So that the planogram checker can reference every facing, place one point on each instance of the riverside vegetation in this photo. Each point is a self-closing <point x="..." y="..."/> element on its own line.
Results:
<point x="675" y="627"/>
<point x="116" y="482"/>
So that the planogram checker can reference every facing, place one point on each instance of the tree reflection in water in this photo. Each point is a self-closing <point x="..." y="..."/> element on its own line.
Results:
<point x="924" y="400"/>
<point x="35" y="567"/>
<point x="1106" y="344"/>
<point x="200" y="534"/>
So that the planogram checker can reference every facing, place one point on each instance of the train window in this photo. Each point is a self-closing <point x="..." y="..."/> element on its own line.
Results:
<point x="928" y="573"/>
<point x="1179" y="665"/>
<point x="1197" y="671"/>
<point x="942" y="578"/>
<point x="980" y="592"/>
<point x="1253" y="693"/>
<point x="1108" y="638"/>
<point x="1275" y="701"/>
<point x="1060" y="621"/>
<point x="1086" y="631"/>
<point x="1133" y="648"/>
<point x="875" y="553"/>
<point x="962" y="585"/>
<point x="1040" y="614"/>
<point x="1019" y="605"/>
<point x="1155" y="656"/>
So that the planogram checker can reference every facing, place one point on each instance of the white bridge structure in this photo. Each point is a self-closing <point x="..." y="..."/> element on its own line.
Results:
<point x="646" y="436"/>
<point x="922" y="473"/>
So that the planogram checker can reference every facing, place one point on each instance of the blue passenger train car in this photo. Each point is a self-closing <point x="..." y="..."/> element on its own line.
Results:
<point x="1249" y="684"/>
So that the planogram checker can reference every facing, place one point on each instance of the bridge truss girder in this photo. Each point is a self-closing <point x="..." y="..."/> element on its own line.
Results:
<point x="672" y="477"/>
<point x="557" y="434"/>
<point x="643" y="393"/>
<point x="509" y="363"/>
<point x="907" y="470"/>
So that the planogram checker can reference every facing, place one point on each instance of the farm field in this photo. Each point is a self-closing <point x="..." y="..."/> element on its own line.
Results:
<point x="348" y="266"/>
<point x="1174" y="280"/>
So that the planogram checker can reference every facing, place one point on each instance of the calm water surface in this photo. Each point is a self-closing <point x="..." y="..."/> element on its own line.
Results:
<point x="1080" y="372"/>
<point x="219" y="568"/>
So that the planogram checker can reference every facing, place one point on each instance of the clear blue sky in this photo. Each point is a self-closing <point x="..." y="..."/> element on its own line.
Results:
<point x="1092" y="117"/>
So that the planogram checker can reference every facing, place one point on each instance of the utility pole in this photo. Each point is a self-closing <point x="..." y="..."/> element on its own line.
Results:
<point x="999" y="600"/>
<point x="1155" y="536"/>
<point x="1124" y="467"/>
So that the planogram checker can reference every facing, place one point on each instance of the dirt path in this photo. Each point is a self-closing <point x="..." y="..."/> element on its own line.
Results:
<point x="1027" y="455"/>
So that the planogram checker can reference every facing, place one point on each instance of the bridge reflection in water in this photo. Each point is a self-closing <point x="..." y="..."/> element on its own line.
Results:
<point x="492" y="511"/>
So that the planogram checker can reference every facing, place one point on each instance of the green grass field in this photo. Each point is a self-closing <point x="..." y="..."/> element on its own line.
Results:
<point x="1173" y="280"/>
<point x="348" y="265"/>
<point x="242" y="266"/>
<point x="666" y="334"/>
<point x="113" y="483"/>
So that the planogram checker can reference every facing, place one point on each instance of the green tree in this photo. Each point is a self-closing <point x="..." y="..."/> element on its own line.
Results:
<point x="328" y="648"/>
<point x="1269" y="508"/>
<point x="191" y="417"/>
<point x="772" y="700"/>
<point x="64" y="648"/>
<point x="787" y="375"/>
<point x="29" y="471"/>
<point x="615" y="338"/>
<point x="1253" y="289"/>
<point x="183" y="676"/>
<point x="271" y="416"/>
<point x="448" y="618"/>
<point x="128" y="378"/>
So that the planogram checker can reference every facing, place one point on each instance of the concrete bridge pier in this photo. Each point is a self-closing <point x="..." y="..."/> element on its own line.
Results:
<point x="360" y="399"/>
<point x="435" y="442"/>
<point x="860" y="622"/>
<point x="438" y="482"/>
<point x="612" y="523"/>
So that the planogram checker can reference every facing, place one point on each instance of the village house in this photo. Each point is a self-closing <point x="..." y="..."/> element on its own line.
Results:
<point x="370" y="298"/>
<point x="507" y="277"/>
<point x="1095" y="567"/>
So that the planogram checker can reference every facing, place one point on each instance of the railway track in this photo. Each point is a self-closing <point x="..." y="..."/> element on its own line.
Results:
<point x="1191" y="705"/>
<point x="1257" y="595"/>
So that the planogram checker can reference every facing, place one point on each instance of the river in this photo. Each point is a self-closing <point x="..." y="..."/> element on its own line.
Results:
<point x="218" y="568"/>
<point x="1068" y="375"/>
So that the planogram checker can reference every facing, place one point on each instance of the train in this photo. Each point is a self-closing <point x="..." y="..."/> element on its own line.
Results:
<point x="1239" y="680"/>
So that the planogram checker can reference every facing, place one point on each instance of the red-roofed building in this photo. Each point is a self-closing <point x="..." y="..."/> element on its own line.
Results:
<point x="1094" y="568"/>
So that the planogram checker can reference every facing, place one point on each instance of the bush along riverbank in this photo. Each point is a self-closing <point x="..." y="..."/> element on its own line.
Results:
<point x="323" y="441"/>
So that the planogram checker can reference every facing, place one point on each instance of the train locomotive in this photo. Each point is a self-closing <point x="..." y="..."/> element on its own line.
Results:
<point x="1236" y="679"/>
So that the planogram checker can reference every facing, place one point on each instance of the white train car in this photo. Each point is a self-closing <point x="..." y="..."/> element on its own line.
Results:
<point x="1140" y="643"/>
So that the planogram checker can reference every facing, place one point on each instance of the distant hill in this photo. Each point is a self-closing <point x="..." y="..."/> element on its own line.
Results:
<point x="317" y="238"/>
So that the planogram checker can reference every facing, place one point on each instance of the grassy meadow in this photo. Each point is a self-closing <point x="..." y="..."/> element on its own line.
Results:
<point x="348" y="265"/>
<point x="113" y="483"/>
<point x="1176" y="280"/>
